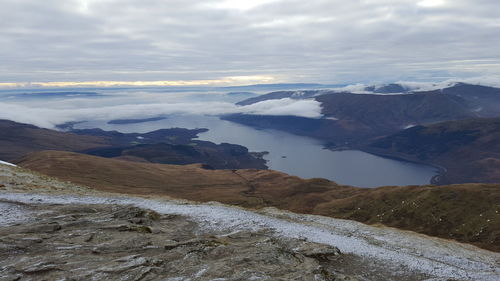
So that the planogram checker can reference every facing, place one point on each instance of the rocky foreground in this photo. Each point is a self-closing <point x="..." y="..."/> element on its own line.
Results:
<point x="113" y="242"/>
<point x="53" y="230"/>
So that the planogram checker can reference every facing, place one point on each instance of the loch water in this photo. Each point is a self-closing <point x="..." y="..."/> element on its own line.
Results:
<point x="296" y="155"/>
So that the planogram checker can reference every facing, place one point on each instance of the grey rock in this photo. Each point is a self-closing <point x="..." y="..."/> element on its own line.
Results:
<point x="117" y="245"/>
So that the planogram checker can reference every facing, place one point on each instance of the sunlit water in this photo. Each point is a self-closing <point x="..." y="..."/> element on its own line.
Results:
<point x="295" y="155"/>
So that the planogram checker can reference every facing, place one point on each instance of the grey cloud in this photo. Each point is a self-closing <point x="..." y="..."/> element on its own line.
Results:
<point x="302" y="41"/>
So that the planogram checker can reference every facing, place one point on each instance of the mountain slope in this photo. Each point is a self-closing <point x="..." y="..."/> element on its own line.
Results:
<point x="171" y="146"/>
<point x="335" y="132"/>
<point x="448" y="212"/>
<point x="351" y="118"/>
<point x="394" y="112"/>
<point x="483" y="99"/>
<point x="468" y="149"/>
<point x="378" y="114"/>
<point x="16" y="140"/>
<point x="281" y="95"/>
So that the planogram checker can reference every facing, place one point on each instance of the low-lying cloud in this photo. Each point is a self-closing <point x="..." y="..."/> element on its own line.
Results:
<point x="49" y="117"/>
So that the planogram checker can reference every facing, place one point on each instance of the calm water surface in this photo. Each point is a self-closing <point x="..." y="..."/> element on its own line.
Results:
<point x="295" y="155"/>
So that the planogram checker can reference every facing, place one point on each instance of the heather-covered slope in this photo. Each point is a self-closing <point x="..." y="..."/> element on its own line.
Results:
<point x="468" y="149"/>
<point x="467" y="213"/>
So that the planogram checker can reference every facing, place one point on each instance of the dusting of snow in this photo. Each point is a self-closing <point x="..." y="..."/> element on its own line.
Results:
<point x="7" y="163"/>
<point x="396" y="248"/>
<point x="298" y="94"/>
<point x="12" y="213"/>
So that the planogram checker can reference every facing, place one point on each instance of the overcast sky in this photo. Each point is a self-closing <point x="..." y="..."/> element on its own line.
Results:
<point x="243" y="42"/>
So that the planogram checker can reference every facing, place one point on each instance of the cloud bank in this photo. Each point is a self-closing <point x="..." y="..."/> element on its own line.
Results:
<point x="49" y="117"/>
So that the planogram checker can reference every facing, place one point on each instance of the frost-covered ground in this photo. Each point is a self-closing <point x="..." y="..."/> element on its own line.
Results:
<point x="399" y="250"/>
<point x="12" y="213"/>
<point x="7" y="163"/>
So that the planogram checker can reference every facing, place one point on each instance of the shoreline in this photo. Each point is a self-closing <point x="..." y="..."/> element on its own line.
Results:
<point x="441" y="170"/>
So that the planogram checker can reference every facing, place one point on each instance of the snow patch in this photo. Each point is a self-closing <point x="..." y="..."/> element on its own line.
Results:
<point x="7" y="163"/>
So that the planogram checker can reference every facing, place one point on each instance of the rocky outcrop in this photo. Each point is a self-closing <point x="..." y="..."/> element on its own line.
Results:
<point x="111" y="242"/>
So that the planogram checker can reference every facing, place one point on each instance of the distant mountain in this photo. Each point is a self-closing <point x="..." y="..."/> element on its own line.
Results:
<point x="355" y="117"/>
<point x="135" y="121"/>
<point x="281" y="95"/>
<point x="482" y="99"/>
<point x="335" y="132"/>
<point x="350" y="116"/>
<point x="468" y="149"/>
<point x="305" y="94"/>
<point x="393" y="112"/>
<point x="241" y="94"/>
<point x="388" y="89"/>
<point x="170" y="146"/>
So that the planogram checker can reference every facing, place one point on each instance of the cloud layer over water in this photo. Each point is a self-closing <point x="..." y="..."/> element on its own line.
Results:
<point x="47" y="114"/>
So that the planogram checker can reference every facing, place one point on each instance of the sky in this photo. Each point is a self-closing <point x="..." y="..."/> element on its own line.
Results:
<point x="223" y="42"/>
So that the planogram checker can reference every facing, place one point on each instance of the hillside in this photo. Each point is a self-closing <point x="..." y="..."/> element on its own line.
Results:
<point x="170" y="146"/>
<point x="394" y="112"/>
<point x="412" y="208"/>
<point x="468" y="149"/>
<point x="17" y="140"/>
<point x="483" y="99"/>
<point x="335" y="132"/>
<point x="354" y="117"/>
<point x="55" y="230"/>
<point x="281" y="95"/>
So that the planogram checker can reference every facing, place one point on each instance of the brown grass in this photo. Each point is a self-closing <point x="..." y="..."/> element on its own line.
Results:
<point x="467" y="213"/>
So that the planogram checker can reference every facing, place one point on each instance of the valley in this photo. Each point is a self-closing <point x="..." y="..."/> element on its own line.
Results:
<point x="363" y="207"/>
<point x="266" y="140"/>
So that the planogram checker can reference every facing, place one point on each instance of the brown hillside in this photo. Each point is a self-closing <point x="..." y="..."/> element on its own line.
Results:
<point x="467" y="213"/>
<point x="16" y="140"/>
